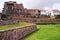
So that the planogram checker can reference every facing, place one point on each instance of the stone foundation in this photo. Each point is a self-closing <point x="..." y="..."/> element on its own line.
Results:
<point x="17" y="33"/>
<point x="8" y="22"/>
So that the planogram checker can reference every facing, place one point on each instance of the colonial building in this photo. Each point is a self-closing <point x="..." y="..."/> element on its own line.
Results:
<point x="56" y="12"/>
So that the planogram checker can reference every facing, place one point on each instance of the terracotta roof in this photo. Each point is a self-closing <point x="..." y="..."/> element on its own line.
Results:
<point x="56" y="10"/>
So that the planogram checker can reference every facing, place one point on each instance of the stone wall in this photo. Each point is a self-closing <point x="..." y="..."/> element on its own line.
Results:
<point x="0" y="16"/>
<point x="17" y="33"/>
<point x="40" y="21"/>
<point x="8" y="22"/>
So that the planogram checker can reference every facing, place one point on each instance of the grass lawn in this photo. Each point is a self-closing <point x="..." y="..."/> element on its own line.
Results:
<point x="14" y="26"/>
<point x="45" y="32"/>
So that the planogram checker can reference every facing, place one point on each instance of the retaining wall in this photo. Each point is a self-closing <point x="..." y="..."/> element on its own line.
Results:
<point x="17" y="33"/>
<point x="40" y="21"/>
<point x="8" y="22"/>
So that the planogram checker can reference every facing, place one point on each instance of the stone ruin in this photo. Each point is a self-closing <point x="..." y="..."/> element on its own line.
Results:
<point x="17" y="33"/>
<point x="14" y="13"/>
<point x="10" y="13"/>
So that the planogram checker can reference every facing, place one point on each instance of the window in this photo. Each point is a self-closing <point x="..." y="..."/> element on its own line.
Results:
<point x="38" y="11"/>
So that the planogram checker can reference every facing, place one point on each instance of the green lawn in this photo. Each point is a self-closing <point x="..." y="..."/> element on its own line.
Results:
<point x="6" y="27"/>
<point x="45" y="32"/>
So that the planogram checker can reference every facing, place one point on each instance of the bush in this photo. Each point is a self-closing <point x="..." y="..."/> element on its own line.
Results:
<point x="58" y="16"/>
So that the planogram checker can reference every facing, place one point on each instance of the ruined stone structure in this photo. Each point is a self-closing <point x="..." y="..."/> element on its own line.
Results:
<point x="17" y="33"/>
<point x="14" y="11"/>
<point x="11" y="10"/>
<point x="11" y="14"/>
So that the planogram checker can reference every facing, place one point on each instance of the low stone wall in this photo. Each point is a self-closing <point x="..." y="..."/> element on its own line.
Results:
<point x="40" y="21"/>
<point x="8" y="22"/>
<point x="17" y="33"/>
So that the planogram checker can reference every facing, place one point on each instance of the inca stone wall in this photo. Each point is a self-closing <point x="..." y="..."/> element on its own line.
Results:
<point x="40" y="21"/>
<point x="8" y="22"/>
<point x="17" y="33"/>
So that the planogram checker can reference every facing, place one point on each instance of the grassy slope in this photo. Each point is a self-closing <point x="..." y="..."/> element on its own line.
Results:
<point x="45" y="32"/>
<point x="13" y="26"/>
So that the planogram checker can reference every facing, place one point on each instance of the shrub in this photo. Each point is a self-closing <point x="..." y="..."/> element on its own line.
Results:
<point x="58" y="16"/>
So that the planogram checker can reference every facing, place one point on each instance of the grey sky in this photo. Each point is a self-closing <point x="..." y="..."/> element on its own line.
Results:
<point x="35" y="4"/>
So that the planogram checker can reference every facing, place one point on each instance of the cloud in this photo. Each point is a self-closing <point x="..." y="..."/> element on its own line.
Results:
<point x="47" y="8"/>
<point x="35" y="4"/>
<point x="56" y="6"/>
<point x="39" y="4"/>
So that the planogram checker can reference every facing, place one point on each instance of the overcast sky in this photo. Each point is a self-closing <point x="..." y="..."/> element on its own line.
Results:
<point x="36" y="4"/>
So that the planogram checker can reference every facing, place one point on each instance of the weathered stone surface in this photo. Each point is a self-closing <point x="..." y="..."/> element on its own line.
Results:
<point x="8" y="22"/>
<point x="40" y="21"/>
<point x="17" y="33"/>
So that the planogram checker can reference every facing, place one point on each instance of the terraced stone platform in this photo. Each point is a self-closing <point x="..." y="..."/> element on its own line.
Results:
<point x="16" y="33"/>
